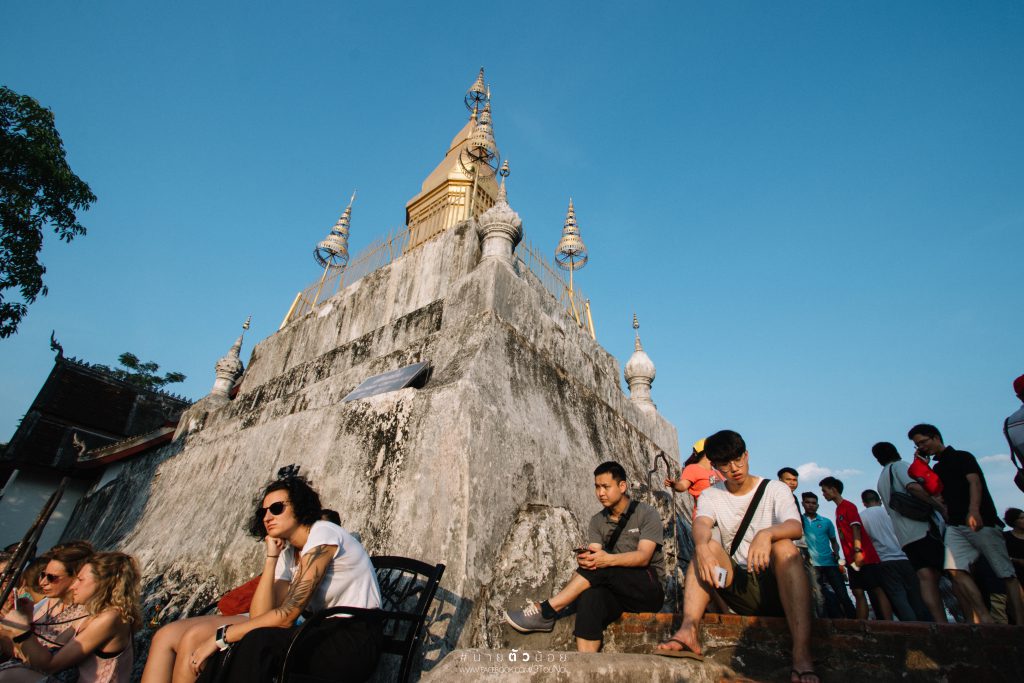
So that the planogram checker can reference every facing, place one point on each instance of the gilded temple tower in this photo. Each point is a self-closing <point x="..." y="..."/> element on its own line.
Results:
<point x="463" y="185"/>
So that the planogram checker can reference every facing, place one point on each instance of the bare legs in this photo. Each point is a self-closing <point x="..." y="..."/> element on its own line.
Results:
<point x="861" y="599"/>
<point x="565" y="597"/>
<point x="929" y="579"/>
<point x="180" y="638"/>
<point x="970" y="598"/>
<point x="794" y="593"/>
<point x="796" y="600"/>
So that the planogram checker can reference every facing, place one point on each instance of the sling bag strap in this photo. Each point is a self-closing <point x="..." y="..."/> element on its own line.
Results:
<point x="614" y="538"/>
<point x="747" y="516"/>
<point x="1015" y="455"/>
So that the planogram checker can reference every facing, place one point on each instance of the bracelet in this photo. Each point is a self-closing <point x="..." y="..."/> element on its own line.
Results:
<point x="273" y="557"/>
<point x="23" y="637"/>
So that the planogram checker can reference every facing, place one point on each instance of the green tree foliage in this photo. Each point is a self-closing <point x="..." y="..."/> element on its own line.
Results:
<point x="134" y="371"/>
<point x="37" y="188"/>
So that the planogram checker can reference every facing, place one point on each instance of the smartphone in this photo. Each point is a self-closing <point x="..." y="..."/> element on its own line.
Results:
<point x="721" y="574"/>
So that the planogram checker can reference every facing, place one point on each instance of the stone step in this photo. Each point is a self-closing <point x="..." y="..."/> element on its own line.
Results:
<point x="845" y="649"/>
<point x="757" y="649"/>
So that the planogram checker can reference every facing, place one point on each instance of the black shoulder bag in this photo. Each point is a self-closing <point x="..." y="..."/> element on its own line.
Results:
<point x="609" y="546"/>
<point x="1015" y="457"/>
<point x="906" y="504"/>
<point x="747" y="517"/>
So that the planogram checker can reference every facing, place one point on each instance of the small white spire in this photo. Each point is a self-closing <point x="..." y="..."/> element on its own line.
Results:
<point x="639" y="372"/>
<point x="229" y="368"/>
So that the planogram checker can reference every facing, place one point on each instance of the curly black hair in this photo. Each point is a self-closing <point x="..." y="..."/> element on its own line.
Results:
<point x="304" y="500"/>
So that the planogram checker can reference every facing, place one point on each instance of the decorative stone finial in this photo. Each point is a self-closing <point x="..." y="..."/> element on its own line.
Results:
<point x="229" y="368"/>
<point x="639" y="372"/>
<point x="500" y="228"/>
<point x="333" y="250"/>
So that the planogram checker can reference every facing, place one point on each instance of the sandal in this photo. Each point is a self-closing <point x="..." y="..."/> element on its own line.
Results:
<point x="685" y="653"/>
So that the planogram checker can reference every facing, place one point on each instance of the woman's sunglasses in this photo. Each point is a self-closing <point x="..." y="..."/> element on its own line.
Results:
<point x="274" y="509"/>
<point x="51" y="578"/>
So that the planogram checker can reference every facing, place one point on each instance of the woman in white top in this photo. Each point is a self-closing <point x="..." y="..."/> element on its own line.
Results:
<point x="310" y="565"/>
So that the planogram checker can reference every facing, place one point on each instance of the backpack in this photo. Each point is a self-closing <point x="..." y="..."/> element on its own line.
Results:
<point x="906" y="504"/>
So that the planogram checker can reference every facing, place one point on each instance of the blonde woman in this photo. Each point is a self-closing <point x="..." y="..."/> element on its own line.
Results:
<point x="101" y="647"/>
<point x="55" y="616"/>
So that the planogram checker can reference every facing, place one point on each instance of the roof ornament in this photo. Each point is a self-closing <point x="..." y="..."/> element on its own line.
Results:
<point x="639" y="372"/>
<point x="478" y="93"/>
<point x="55" y="345"/>
<point x="500" y="227"/>
<point x="480" y="157"/>
<point x="332" y="252"/>
<point x="229" y="368"/>
<point x="571" y="255"/>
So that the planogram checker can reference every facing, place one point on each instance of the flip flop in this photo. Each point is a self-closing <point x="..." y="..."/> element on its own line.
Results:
<point x="800" y="674"/>
<point x="685" y="653"/>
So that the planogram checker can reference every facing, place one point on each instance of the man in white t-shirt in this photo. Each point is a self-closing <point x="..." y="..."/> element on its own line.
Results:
<point x="761" y="573"/>
<point x="897" y="573"/>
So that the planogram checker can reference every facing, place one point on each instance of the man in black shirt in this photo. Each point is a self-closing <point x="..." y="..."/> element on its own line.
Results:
<point x="973" y="527"/>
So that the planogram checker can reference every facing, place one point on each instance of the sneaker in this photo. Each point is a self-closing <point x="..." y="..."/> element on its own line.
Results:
<point x="529" y="619"/>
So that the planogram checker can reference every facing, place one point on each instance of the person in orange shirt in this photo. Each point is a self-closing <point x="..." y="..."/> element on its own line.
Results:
<point x="697" y="475"/>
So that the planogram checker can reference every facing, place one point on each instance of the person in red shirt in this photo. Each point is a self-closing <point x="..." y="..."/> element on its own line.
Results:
<point x="861" y="557"/>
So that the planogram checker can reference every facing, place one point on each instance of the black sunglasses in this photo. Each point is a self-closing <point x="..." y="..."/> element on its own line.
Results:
<point x="274" y="509"/>
<point x="52" y="578"/>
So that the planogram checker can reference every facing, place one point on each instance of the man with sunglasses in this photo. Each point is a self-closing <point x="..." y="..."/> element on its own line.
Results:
<point x="973" y="526"/>
<point x="762" y="572"/>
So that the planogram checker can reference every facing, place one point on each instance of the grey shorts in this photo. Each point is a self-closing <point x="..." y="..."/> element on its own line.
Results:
<point x="963" y="547"/>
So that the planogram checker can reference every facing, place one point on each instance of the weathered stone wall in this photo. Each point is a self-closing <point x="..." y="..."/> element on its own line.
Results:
<point x="488" y="468"/>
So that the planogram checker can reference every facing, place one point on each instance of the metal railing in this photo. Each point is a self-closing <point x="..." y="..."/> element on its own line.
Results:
<point x="377" y="254"/>
<point x="384" y="251"/>
<point x="576" y="304"/>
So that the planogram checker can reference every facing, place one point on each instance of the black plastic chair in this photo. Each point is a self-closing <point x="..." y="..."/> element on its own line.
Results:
<point x="407" y="589"/>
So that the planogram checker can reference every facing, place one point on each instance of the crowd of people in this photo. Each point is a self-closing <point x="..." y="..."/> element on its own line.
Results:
<point x="755" y="553"/>
<point x="71" y="618"/>
<point x="75" y="610"/>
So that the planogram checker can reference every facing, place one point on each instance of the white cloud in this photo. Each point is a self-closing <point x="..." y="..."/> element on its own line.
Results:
<point x="812" y="472"/>
<point x="995" y="458"/>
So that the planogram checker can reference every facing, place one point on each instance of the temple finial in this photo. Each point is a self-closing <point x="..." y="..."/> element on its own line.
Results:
<point x="333" y="250"/>
<point x="571" y="253"/>
<point x="477" y="92"/>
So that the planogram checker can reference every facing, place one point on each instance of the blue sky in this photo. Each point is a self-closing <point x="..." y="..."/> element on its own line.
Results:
<point x="816" y="209"/>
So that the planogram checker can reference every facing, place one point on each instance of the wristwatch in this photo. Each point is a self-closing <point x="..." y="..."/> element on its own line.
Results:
<point x="23" y="637"/>
<point x="220" y="639"/>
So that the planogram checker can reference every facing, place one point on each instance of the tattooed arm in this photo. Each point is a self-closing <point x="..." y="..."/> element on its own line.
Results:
<point x="311" y="570"/>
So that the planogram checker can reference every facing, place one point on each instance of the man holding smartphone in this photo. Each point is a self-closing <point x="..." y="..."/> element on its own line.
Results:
<point x="756" y="568"/>
<point x="621" y="570"/>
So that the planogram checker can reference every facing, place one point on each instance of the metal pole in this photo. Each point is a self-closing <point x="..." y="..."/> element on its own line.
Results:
<point x="27" y="547"/>
<point x="472" y="196"/>
<point x="320" y="286"/>
<point x="572" y="296"/>
<point x="290" y="310"/>
<point x="590" y="321"/>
